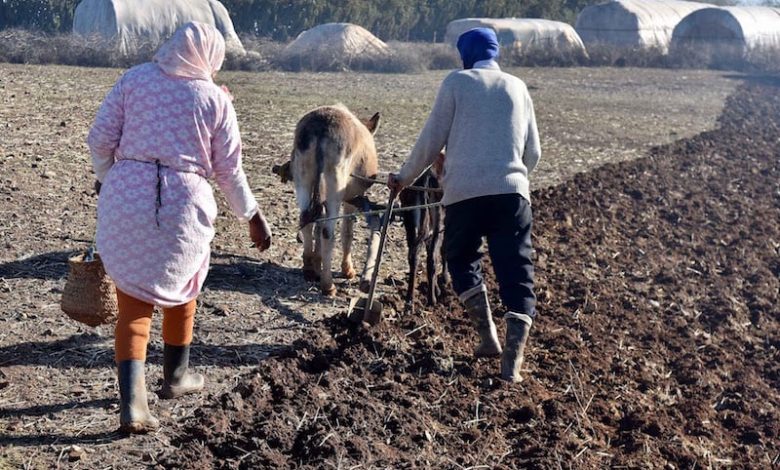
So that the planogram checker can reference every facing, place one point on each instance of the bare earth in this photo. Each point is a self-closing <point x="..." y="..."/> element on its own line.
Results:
<point x="657" y="345"/>
<point x="61" y="385"/>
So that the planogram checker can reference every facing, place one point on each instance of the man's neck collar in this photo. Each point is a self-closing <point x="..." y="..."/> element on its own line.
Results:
<point x="486" y="64"/>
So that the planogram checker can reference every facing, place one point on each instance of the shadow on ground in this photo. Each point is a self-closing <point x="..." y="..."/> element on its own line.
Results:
<point x="52" y="265"/>
<point x="756" y="79"/>
<point x="61" y="440"/>
<point x="271" y="282"/>
<point x="90" y="350"/>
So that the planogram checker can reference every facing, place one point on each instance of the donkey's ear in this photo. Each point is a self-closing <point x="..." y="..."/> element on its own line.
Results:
<point x="373" y="123"/>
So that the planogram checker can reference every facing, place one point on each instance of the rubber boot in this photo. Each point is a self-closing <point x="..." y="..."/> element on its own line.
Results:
<point x="134" y="414"/>
<point x="478" y="309"/>
<point x="518" y="326"/>
<point x="178" y="380"/>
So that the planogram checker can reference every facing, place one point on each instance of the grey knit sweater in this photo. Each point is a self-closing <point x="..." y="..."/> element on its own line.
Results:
<point x="485" y="118"/>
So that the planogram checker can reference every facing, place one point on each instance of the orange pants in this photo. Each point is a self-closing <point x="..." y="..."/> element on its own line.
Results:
<point x="135" y="320"/>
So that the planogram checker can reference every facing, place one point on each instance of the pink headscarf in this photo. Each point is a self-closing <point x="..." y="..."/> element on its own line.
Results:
<point x="196" y="51"/>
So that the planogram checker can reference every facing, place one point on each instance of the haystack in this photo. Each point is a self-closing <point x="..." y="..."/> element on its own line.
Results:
<point x="132" y="23"/>
<point x="343" y="42"/>
<point x="523" y="35"/>
<point x="640" y="24"/>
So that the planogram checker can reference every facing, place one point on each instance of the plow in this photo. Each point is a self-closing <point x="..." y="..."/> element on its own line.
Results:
<point x="368" y="310"/>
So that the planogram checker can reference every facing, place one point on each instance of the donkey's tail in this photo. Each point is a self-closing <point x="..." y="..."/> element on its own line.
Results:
<point x="314" y="209"/>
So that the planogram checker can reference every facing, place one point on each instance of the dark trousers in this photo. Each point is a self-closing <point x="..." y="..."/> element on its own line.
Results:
<point x="505" y="220"/>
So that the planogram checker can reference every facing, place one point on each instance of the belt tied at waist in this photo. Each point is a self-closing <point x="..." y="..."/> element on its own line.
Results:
<point x="159" y="165"/>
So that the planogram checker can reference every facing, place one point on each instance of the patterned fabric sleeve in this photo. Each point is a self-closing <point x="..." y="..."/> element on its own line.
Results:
<point x="226" y="162"/>
<point x="106" y="132"/>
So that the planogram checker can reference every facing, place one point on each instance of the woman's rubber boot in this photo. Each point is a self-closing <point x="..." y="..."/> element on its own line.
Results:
<point x="478" y="309"/>
<point x="518" y="326"/>
<point x="178" y="380"/>
<point x="134" y="414"/>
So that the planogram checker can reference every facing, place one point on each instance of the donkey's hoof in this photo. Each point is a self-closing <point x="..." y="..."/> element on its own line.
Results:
<point x="311" y="275"/>
<point x="349" y="272"/>
<point x="365" y="286"/>
<point x="328" y="291"/>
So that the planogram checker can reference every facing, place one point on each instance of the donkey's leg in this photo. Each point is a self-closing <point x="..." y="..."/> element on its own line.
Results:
<point x="411" y="225"/>
<point x="317" y="256"/>
<point x="310" y="269"/>
<point x="439" y="249"/>
<point x="332" y="209"/>
<point x="347" y="233"/>
<point x="433" y="247"/>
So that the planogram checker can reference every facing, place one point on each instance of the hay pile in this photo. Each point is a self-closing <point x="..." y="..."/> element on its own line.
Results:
<point x="334" y="46"/>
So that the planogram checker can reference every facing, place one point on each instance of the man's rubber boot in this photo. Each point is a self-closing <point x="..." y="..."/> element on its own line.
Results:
<point x="478" y="309"/>
<point x="134" y="414"/>
<point x="178" y="380"/>
<point x="518" y="326"/>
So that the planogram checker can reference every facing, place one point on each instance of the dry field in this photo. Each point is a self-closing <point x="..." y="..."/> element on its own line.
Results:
<point x="658" y="345"/>
<point x="61" y="389"/>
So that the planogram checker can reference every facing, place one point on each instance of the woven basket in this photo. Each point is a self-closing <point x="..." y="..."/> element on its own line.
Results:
<point x="89" y="296"/>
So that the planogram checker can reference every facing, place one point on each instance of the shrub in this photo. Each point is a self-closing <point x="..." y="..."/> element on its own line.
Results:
<point x="260" y="54"/>
<point x="32" y="47"/>
<point x="403" y="57"/>
<point x="542" y="57"/>
<point x="23" y="46"/>
<point x="614" y="56"/>
<point x="426" y="56"/>
<point x="28" y="47"/>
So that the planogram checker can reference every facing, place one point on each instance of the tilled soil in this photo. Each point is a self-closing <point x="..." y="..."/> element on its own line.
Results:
<point x="58" y="384"/>
<point x="657" y="344"/>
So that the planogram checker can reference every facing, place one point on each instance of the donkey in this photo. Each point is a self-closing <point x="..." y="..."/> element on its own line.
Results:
<point x="330" y="145"/>
<point x="424" y="227"/>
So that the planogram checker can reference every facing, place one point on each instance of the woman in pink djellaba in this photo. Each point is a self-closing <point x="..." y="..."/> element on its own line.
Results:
<point x="162" y="132"/>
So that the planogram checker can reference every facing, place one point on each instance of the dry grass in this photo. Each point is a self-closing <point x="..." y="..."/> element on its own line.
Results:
<point x="29" y="47"/>
<point x="691" y="56"/>
<point x="543" y="57"/>
<point x="726" y="57"/>
<point x="404" y="57"/>
<point x="19" y="46"/>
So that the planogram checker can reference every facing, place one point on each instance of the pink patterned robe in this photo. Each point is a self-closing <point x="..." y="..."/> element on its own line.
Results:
<point x="157" y="129"/>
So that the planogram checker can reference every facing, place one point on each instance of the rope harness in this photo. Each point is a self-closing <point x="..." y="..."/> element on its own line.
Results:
<point x="365" y="203"/>
<point x="411" y="188"/>
<point x="379" y="212"/>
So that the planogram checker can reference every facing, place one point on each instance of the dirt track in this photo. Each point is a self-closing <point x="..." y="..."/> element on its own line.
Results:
<point x="62" y="388"/>
<point x="657" y="346"/>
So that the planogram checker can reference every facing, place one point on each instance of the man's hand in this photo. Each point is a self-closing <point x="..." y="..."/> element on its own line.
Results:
<point x="284" y="171"/>
<point x="438" y="165"/>
<point x="393" y="183"/>
<point x="260" y="232"/>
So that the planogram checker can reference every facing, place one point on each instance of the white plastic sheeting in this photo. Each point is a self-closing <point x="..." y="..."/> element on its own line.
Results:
<point x="522" y="34"/>
<point x="134" y="22"/>
<point x="740" y="29"/>
<point x="344" y="41"/>
<point x="643" y="24"/>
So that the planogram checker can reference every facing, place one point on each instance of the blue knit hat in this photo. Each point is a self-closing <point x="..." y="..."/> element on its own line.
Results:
<point x="477" y="44"/>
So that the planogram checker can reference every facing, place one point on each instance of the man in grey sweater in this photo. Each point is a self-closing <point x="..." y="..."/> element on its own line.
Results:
<point x="485" y="119"/>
